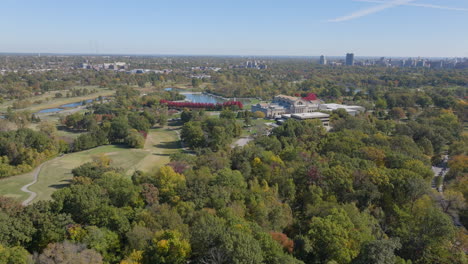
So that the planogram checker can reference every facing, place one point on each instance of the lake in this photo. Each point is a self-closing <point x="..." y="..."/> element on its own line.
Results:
<point x="76" y="104"/>
<point x="202" y="97"/>
<point x="50" y="110"/>
<point x="63" y="107"/>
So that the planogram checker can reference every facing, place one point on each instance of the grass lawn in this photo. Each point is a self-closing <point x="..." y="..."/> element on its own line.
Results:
<point x="56" y="102"/>
<point x="56" y="174"/>
<point x="160" y="143"/>
<point x="248" y="105"/>
<point x="11" y="187"/>
<point x="256" y="124"/>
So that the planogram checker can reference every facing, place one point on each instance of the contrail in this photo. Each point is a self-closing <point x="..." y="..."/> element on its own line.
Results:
<point x="418" y="5"/>
<point x="371" y="10"/>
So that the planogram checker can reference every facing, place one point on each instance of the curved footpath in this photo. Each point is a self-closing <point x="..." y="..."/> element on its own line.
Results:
<point x="32" y="195"/>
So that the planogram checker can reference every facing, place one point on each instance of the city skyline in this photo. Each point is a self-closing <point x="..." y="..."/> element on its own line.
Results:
<point x="369" y="28"/>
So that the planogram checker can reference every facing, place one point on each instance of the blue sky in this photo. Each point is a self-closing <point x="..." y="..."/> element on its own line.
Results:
<point x="428" y="28"/>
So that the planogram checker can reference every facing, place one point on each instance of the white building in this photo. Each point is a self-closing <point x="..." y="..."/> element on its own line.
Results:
<point x="284" y="104"/>
<point x="351" y="109"/>
<point x="325" y="118"/>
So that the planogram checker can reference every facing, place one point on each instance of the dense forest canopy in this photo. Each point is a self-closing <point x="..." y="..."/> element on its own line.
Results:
<point x="356" y="192"/>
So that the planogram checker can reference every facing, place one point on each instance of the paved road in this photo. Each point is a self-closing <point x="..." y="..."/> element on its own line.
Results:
<point x="440" y="171"/>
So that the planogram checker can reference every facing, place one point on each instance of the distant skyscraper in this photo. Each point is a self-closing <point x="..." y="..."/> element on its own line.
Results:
<point x="323" y="60"/>
<point x="350" y="59"/>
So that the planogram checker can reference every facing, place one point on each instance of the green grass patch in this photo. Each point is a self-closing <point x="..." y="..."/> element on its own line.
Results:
<point x="11" y="187"/>
<point x="56" y="174"/>
<point x="49" y="101"/>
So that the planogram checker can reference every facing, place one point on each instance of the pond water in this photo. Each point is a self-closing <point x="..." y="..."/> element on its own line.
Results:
<point x="202" y="98"/>
<point x="50" y="110"/>
<point x="63" y="107"/>
<point x="77" y="103"/>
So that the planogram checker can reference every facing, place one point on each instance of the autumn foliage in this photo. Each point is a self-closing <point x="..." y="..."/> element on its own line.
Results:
<point x="207" y="106"/>
<point x="284" y="241"/>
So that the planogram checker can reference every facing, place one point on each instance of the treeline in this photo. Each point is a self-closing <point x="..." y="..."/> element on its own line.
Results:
<point x="125" y="120"/>
<point x="233" y="105"/>
<point x="296" y="76"/>
<point x="130" y="129"/>
<point x="200" y="131"/>
<point x="75" y="92"/>
<point x="24" y="149"/>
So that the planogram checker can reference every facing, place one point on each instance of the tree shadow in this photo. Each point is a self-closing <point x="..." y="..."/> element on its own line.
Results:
<point x="161" y="154"/>
<point x="60" y="186"/>
<point x="168" y="145"/>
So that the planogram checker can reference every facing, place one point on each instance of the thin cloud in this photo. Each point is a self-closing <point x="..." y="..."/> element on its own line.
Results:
<point x="419" y="5"/>
<point x="371" y="10"/>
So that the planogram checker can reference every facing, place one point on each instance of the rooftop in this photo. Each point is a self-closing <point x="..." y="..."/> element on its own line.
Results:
<point x="310" y="115"/>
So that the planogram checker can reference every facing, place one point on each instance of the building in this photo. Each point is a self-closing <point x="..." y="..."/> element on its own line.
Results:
<point x="325" y="118"/>
<point x="351" y="109"/>
<point x="284" y="104"/>
<point x="350" y="59"/>
<point x="323" y="60"/>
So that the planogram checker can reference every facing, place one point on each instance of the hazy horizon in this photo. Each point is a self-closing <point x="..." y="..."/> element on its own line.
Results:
<point x="368" y="28"/>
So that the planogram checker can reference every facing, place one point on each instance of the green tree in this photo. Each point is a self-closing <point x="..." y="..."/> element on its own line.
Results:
<point x="118" y="130"/>
<point x="378" y="252"/>
<point x="14" y="255"/>
<point x="135" y="139"/>
<point x="397" y="113"/>
<point x="168" y="247"/>
<point x="193" y="135"/>
<point x="169" y="183"/>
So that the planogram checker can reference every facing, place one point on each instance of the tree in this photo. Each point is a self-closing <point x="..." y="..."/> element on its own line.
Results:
<point x="247" y="120"/>
<point x="334" y="238"/>
<point x="378" y="252"/>
<point x="214" y="241"/>
<point x="135" y="139"/>
<point x="169" y="183"/>
<point x="50" y="226"/>
<point x="227" y="114"/>
<point x="193" y="135"/>
<point x="196" y="82"/>
<point x="258" y="114"/>
<point x="452" y="201"/>
<point x="168" y="247"/>
<point x="118" y="130"/>
<point x="425" y="230"/>
<point x="163" y="118"/>
<point x="397" y="113"/>
<point x="103" y="241"/>
<point x="48" y="128"/>
<point x="14" y="255"/>
<point x="67" y="252"/>
<point x="381" y="104"/>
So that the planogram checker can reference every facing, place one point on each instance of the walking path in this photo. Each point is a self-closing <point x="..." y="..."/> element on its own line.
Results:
<point x="32" y="195"/>
<point x="440" y="171"/>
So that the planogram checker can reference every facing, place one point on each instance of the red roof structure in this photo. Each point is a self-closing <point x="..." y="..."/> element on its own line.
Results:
<point x="310" y="97"/>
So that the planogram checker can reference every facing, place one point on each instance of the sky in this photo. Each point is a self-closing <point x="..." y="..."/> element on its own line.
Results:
<point x="394" y="28"/>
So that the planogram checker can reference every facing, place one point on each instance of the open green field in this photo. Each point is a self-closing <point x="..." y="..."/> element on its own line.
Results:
<point x="56" y="174"/>
<point x="11" y="187"/>
<point x="253" y="129"/>
<point x="49" y="101"/>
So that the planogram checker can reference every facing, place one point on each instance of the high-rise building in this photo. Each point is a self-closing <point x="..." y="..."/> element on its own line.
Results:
<point x="323" y="60"/>
<point x="350" y="59"/>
